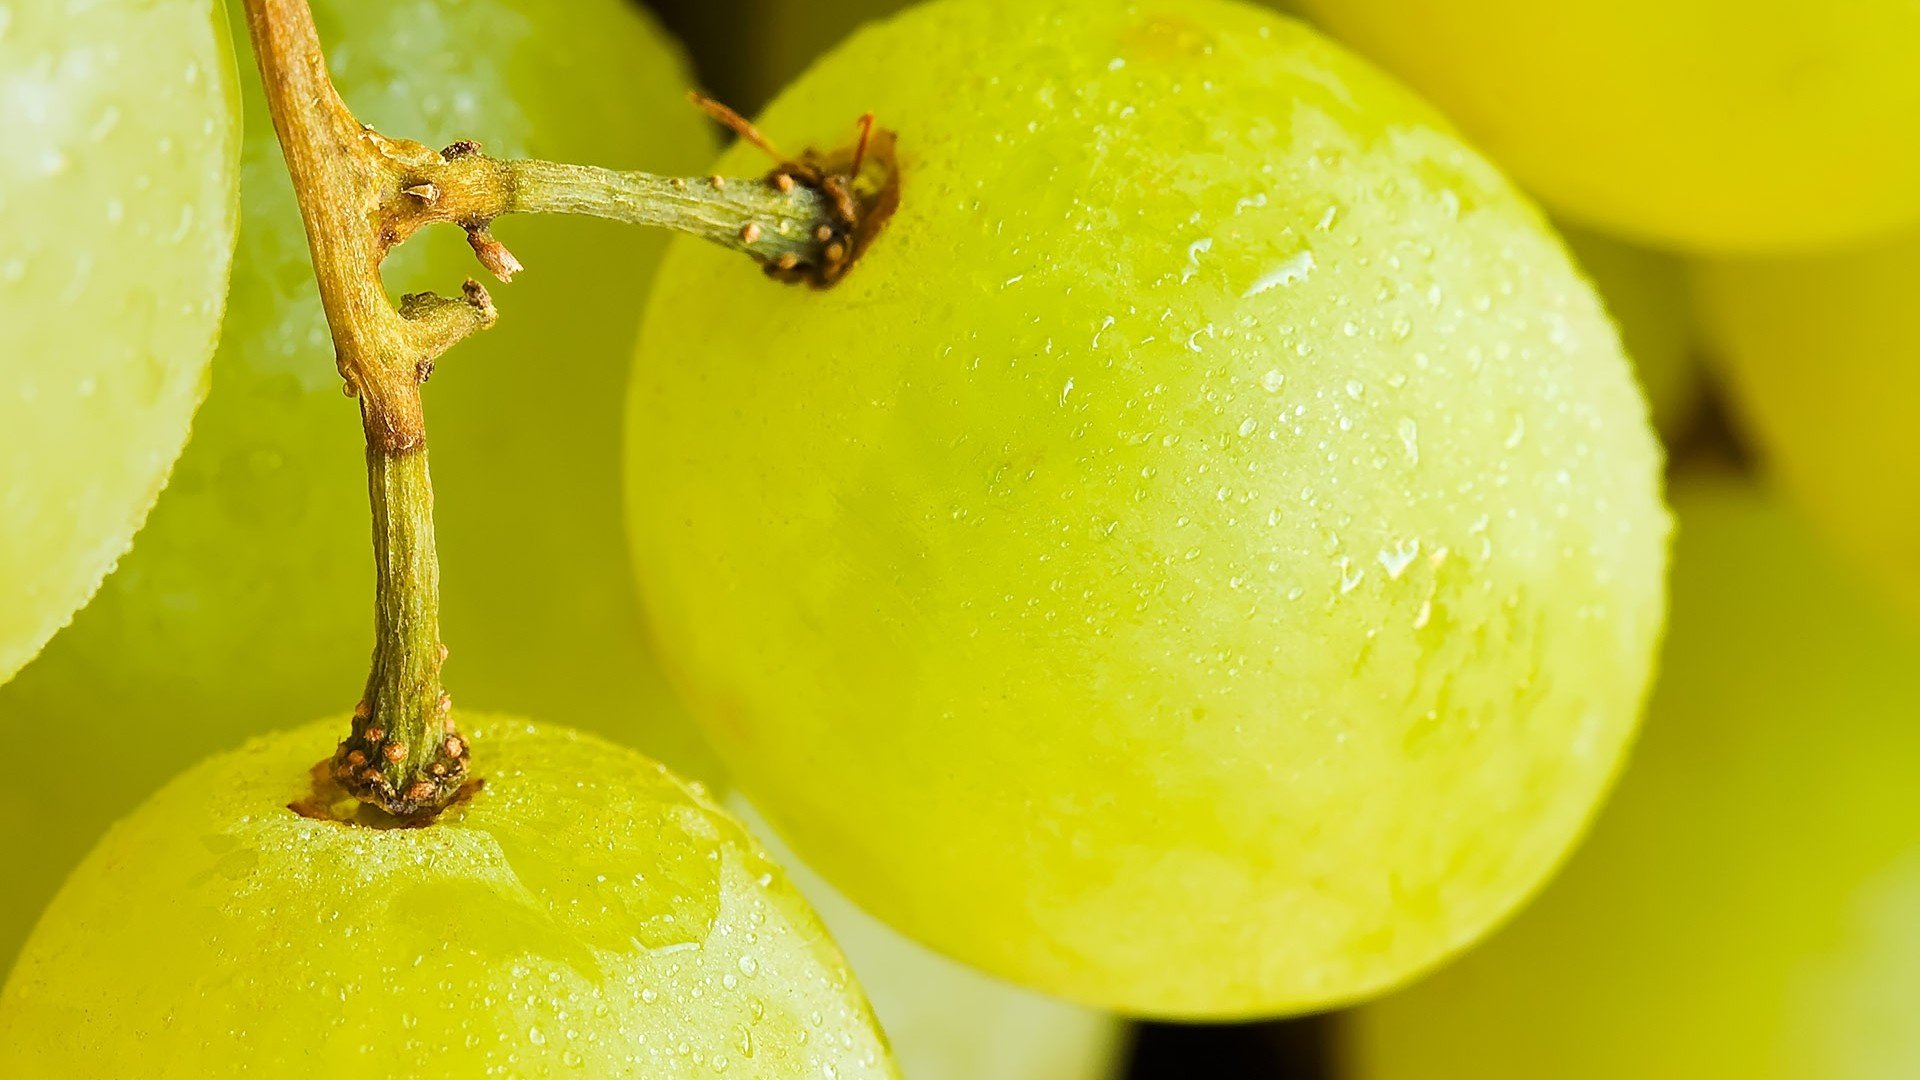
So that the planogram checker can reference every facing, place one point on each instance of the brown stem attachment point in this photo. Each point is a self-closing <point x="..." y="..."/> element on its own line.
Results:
<point x="362" y="194"/>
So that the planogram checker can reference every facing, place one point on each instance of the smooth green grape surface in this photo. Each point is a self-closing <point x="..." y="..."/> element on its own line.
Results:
<point x="1648" y="296"/>
<point x="120" y="129"/>
<point x="945" y="1020"/>
<point x="250" y="593"/>
<point x="1204" y="560"/>
<point x="1822" y="358"/>
<point x="585" y="914"/>
<point x="1749" y="902"/>
<point x="1718" y="125"/>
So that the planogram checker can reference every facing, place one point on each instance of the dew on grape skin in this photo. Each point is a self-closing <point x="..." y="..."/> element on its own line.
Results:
<point x="1293" y="359"/>
<point x="486" y="938"/>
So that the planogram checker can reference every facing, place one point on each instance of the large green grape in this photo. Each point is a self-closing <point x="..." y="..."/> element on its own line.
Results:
<point x="1205" y="559"/>
<point x="585" y="914"/>
<point x="1646" y="292"/>
<point x="945" y="1020"/>
<point x="118" y="134"/>
<point x="1748" y="902"/>
<point x="1822" y="358"/>
<point x="1722" y="125"/>
<point x="249" y="595"/>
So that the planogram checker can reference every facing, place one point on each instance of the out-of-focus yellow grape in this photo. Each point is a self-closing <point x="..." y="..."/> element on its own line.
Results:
<point x="1204" y="560"/>
<point x="1646" y="292"/>
<point x="118" y="133"/>
<point x="1822" y="358"/>
<point x="585" y="914"/>
<point x="1749" y="902"/>
<point x="945" y="1020"/>
<point x="1719" y="125"/>
<point x="249" y="596"/>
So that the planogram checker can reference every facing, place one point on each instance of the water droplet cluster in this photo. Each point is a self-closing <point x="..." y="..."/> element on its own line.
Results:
<point x="1206" y="558"/>
<point x="586" y="911"/>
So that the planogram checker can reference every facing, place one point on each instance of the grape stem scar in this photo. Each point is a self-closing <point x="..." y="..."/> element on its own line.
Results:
<point x="362" y="194"/>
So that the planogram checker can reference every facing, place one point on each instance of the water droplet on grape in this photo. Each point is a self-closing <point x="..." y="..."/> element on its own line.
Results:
<point x="1294" y="268"/>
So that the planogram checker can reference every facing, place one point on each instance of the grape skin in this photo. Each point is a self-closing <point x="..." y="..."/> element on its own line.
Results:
<point x="1822" y="361"/>
<point x="1713" y="125"/>
<point x="117" y="207"/>
<point x="585" y="914"/>
<point x="1645" y="291"/>
<point x="249" y="594"/>
<point x="1007" y="1033"/>
<point x="1205" y="560"/>
<point x="1746" y="904"/>
<point x="945" y="1020"/>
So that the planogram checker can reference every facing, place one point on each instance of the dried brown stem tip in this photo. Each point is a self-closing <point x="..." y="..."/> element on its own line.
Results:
<point x="493" y="254"/>
<point x="859" y="185"/>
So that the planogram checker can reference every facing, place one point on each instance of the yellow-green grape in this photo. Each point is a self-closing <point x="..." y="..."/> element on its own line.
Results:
<point x="944" y="1020"/>
<point x="250" y="594"/>
<point x="1822" y="360"/>
<point x="1647" y="294"/>
<point x="1749" y="902"/>
<point x="585" y="914"/>
<point x="118" y="133"/>
<point x="1206" y="557"/>
<point x="1718" y="125"/>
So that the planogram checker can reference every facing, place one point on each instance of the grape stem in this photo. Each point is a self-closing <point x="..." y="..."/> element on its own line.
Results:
<point x="361" y="195"/>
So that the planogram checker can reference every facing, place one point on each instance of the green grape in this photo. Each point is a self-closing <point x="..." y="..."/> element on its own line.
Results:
<point x="944" y="1020"/>
<point x="120" y="129"/>
<point x="585" y="913"/>
<point x="1823" y="364"/>
<point x="1205" y="559"/>
<point x="1718" y="125"/>
<point x="1747" y="904"/>
<point x="1646" y="293"/>
<point x="250" y="594"/>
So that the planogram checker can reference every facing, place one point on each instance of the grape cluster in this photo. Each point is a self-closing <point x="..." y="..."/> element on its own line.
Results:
<point x="247" y="595"/>
<point x="1188" y="541"/>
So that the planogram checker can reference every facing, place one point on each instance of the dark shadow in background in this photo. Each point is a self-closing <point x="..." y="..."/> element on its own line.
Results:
<point x="1272" y="1050"/>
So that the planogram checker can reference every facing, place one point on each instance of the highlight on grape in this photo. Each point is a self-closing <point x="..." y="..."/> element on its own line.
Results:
<point x="959" y="539"/>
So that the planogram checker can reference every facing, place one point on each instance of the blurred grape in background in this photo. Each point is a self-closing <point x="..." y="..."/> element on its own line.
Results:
<point x="1821" y="357"/>
<point x="1748" y="904"/>
<point x="1703" y="125"/>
